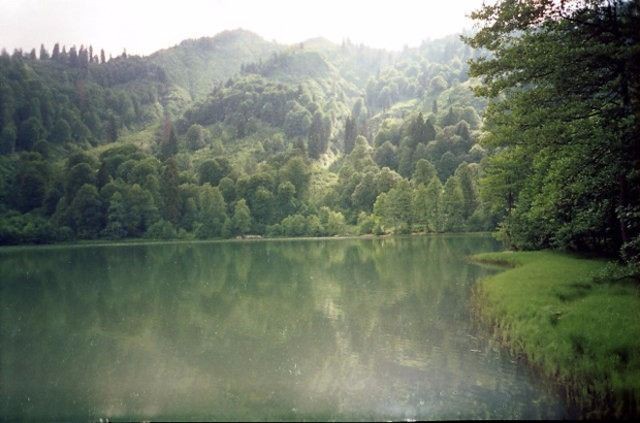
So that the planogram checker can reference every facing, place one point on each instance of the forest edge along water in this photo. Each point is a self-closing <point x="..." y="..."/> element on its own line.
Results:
<point x="294" y="330"/>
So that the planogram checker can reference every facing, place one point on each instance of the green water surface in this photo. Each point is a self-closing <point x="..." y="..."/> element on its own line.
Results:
<point x="348" y="329"/>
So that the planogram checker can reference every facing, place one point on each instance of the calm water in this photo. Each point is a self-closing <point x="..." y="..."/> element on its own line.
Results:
<point x="301" y="330"/>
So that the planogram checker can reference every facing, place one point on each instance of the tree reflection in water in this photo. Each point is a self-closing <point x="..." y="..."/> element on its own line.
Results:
<point x="301" y="329"/>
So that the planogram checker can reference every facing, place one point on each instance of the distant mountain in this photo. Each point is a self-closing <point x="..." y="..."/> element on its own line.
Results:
<point x="197" y="65"/>
<point x="356" y="63"/>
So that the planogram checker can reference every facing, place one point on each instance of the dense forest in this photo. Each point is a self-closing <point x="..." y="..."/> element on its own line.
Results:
<point x="529" y="125"/>
<point x="563" y="123"/>
<point x="314" y="139"/>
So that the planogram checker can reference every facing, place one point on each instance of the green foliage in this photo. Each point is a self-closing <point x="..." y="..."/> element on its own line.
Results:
<point x="366" y="223"/>
<point x="161" y="230"/>
<point x="563" y="168"/>
<point x="453" y="206"/>
<point x="434" y="214"/>
<point x="85" y="212"/>
<point x="212" y="171"/>
<point x="424" y="172"/>
<point x="119" y="148"/>
<point x="295" y="225"/>
<point x="29" y="183"/>
<point x="197" y="137"/>
<point x="16" y="228"/>
<point x="574" y="321"/>
<point x="212" y="212"/>
<point x="386" y="156"/>
<point x="241" y="222"/>
<point x="60" y="102"/>
<point x="332" y="222"/>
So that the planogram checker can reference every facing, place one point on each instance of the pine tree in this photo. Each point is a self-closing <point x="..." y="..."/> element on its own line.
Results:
<point x="318" y="136"/>
<point x="170" y="192"/>
<point x="55" y="55"/>
<point x="44" y="54"/>
<point x="168" y="139"/>
<point x="83" y="58"/>
<point x="350" y="134"/>
<point x="73" y="57"/>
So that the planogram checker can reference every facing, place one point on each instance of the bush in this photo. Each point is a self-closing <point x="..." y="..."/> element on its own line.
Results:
<point x="274" y="230"/>
<point x="294" y="225"/>
<point x="30" y="229"/>
<point x="162" y="229"/>
<point x="366" y="223"/>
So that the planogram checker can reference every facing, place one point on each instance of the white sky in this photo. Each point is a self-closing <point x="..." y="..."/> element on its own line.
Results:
<point x="144" y="26"/>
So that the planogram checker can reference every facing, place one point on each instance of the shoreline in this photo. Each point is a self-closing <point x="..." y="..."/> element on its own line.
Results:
<point x="579" y="332"/>
<point x="144" y="241"/>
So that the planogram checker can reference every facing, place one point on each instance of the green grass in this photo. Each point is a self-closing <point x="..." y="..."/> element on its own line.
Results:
<point x="581" y="330"/>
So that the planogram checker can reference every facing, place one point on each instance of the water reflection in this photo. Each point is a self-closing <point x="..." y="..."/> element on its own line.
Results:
<point x="333" y="329"/>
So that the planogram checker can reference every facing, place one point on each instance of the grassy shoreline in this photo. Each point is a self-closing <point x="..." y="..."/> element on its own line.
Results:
<point x="578" y="328"/>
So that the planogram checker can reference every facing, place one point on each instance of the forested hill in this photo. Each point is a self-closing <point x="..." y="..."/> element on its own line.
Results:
<point x="197" y="65"/>
<point x="235" y="135"/>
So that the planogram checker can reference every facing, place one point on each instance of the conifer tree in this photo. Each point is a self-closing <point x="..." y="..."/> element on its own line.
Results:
<point x="44" y="54"/>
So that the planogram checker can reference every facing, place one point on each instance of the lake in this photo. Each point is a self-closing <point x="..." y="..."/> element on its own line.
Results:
<point x="337" y="329"/>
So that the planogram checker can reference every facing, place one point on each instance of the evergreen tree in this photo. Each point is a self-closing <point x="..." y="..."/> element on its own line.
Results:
<point x="31" y="131"/>
<point x="73" y="57"/>
<point x="30" y="182"/>
<point x="83" y="58"/>
<point x="170" y="192"/>
<point x="55" y="54"/>
<point x="450" y="118"/>
<point x="385" y="155"/>
<point x="168" y="140"/>
<point x="318" y="136"/>
<point x="7" y="140"/>
<point x="44" y="54"/>
<point x="350" y="134"/>
<point x="61" y="132"/>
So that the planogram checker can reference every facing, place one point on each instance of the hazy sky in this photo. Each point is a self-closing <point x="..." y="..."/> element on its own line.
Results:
<point x="143" y="26"/>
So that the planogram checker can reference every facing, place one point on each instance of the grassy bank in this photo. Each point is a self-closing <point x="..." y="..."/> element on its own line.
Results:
<point x="578" y="327"/>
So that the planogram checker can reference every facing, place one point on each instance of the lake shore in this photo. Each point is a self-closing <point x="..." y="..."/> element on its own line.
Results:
<point x="147" y="241"/>
<point x="573" y="323"/>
